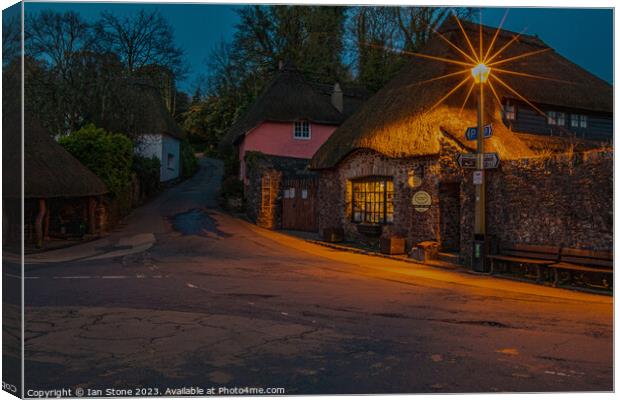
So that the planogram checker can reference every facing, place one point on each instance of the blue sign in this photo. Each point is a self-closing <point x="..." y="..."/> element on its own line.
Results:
<point x="472" y="132"/>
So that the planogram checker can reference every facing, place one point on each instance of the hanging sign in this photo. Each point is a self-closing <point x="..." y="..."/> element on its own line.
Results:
<point x="421" y="201"/>
<point x="413" y="180"/>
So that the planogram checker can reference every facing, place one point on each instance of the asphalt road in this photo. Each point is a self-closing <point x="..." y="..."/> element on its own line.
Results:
<point x="216" y="302"/>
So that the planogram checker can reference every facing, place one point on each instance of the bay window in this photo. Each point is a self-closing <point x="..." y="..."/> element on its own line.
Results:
<point x="373" y="200"/>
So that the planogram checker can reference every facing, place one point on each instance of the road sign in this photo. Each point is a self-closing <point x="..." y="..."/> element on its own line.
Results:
<point x="469" y="160"/>
<point x="471" y="133"/>
<point x="478" y="175"/>
<point x="490" y="161"/>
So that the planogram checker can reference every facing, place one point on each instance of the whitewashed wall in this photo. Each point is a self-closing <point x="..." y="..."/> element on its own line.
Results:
<point x="170" y="168"/>
<point x="167" y="149"/>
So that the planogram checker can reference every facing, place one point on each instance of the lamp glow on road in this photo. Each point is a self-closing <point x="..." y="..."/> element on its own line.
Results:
<point x="480" y="73"/>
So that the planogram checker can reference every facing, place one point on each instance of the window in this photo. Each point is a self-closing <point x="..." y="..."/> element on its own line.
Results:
<point x="170" y="161"/>
<point x="583" y="121"/>
<point x="302" y="130"/>
<point x="373" y="200"/>
<point x="578" y="121"/>
<point x="509" y="112"/>
<point x="556" y="118"/>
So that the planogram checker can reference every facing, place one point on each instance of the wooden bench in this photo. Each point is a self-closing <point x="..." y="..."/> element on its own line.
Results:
<point x="526" y="255"/>
<point x="584" y="261"/>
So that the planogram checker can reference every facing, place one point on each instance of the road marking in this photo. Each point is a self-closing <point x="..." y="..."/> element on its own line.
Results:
<point x="19" y="277"/>
<point x="72" y="277"/>
<point x="139" y="276"/>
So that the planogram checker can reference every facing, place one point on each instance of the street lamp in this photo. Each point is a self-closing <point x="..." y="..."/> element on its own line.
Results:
<point x="480" y="73"/>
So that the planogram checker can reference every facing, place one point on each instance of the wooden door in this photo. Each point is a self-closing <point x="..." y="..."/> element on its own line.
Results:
<point x="299" y="204"/>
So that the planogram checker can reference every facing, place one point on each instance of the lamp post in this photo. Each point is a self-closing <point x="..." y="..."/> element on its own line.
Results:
<point x="480" y="74"/>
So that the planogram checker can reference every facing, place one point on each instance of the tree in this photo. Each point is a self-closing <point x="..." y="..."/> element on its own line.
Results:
<point x="56" y="38"/>
<point x="140" y="40"/>
<point x="309" y="36"/>
<point x="380" y="33"/>
<point x="11" y="39"/>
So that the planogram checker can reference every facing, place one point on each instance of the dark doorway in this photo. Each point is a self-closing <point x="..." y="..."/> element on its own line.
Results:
<point x="450" y="216"/>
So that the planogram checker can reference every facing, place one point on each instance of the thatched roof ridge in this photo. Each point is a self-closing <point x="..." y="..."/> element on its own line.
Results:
<point x="289" y="97"/>
<point x="141" y="110"/>
<point x="49" y="170"/>
<point x="400" y="121"/>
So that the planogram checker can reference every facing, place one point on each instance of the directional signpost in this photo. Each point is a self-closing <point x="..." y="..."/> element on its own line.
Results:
<point x="469" y="160"/>
<point x="471" y="133"/>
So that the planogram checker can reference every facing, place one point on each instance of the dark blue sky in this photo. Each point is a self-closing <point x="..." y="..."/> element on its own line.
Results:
<point x="584" y="36"/>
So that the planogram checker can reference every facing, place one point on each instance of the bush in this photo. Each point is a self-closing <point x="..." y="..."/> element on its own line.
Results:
<point x="108" y="155"/>
<point x="147" y="169"/>
<point x="189" y="162"/>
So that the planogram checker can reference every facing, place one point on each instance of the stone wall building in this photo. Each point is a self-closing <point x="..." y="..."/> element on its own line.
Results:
<point x="392" y="168"/>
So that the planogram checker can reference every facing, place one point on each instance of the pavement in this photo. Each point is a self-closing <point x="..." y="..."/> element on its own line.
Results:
<point x="216" y="301"/>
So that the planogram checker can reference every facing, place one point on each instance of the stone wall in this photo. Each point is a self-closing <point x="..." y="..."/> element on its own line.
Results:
<point x="563" y="200"/>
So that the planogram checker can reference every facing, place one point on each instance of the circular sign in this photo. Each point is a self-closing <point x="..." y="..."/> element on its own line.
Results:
<point x="421" y="201"/>
<point x="413" y="180"/>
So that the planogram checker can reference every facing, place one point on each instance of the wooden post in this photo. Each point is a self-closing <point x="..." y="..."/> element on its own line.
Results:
<point x="46" y="225"/>
<point x="38" y="224"/>
<point x="92" y="206"/>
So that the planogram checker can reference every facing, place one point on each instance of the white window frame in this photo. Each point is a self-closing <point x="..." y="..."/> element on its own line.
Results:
<point x="298" y="126"/>
<point x="556" y="118"/>
<point x="574" y="120"/>
<point x="510" y="112"/>
<point x="583" y="121"/>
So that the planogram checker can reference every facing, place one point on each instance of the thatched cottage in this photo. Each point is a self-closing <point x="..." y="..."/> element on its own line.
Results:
<point x="61" y="198"/>
<point x="146" y="119"/>
<point x="398" y="145"/>
<point x="278" y="135"/>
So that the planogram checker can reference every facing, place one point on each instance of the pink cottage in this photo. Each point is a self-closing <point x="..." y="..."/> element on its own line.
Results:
<point x="291" y="118"/>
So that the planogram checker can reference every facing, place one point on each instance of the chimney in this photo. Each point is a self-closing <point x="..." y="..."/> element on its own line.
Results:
<point x="337" y="97"/>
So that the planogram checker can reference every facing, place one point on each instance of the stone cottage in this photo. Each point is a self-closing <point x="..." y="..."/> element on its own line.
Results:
<point x="392" y="168"/>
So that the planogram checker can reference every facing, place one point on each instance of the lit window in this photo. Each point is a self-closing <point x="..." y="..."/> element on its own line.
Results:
<point x="302" y="130"/>
<point x="556" y="118"/>
<point x="373" y="200"/>
<point x="578" y="121"/>
<point x="509" y="112"/>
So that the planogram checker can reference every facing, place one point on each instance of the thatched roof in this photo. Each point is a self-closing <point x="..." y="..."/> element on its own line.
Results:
<point x="399" y="120"/>
<point x="49" y="170"/>
<point x="289" y="97"/>
<point x="139" y="109"/>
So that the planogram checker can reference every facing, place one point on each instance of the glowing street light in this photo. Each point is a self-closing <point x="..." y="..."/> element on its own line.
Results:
<point x="480" y="73"/>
